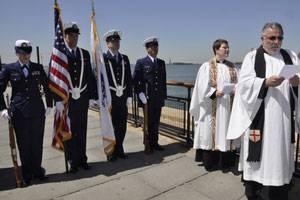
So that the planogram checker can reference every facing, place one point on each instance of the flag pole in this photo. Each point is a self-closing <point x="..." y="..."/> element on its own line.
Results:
<point x="63" y="142"/>
<point x="107" y="130"/>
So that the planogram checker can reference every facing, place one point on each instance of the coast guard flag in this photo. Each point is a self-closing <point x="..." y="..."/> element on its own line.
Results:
<point x="107" y="131"/>
<point x="59" y="83"/>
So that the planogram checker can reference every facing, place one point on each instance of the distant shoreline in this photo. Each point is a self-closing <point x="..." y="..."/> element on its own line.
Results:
<point x="182" y="63"/>
<point x="186" y="63"/>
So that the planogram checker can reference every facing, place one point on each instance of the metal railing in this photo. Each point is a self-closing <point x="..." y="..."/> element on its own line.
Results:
<point x="175" y="121"/>
<point x="297" y="157"/>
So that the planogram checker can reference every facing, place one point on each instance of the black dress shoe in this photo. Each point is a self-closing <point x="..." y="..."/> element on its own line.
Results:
<point x="148" y="150"/>
<point x="158" y="147"/>
<point x="122" y="155"/>
<point x="43" y="177"/>
<point x="85" y="166"/>
<point x="111" y="158"/>
<point x="40" y="174"/>
<point x="26" y="183"/>
<point x="73" y="169"/>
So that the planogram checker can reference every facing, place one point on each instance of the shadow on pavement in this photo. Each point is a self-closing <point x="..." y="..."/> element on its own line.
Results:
<point x="135" y="160"/>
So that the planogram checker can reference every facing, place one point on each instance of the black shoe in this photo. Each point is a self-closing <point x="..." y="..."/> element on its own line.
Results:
<point x="26" y="183"/>
<point x="44" y="178"/>
<point x="111" y="158"/>
<point x="73" y="169"/>
<point x="85" y="166"/>
<point x="41" y="176"/>
<point x="148" y="150"/>
<point x="158" y="147"/>
<point x="226" y="170"/>
<point x="122" y="155"/>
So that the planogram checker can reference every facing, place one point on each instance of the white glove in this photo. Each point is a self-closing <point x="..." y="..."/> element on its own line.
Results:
<point x="129" y="101"/>
<point x="59" y="106"/>
<point x="93" y="103"/>
<point x="48" y="111"/>
<point x="143" y="98"/>
<point x="4" y="114"/>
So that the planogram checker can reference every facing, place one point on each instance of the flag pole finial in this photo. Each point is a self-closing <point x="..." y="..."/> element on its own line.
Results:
<point x="93" y="8"/>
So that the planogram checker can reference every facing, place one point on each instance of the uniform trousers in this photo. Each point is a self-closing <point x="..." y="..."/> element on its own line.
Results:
<point x="30" y="135"/>
<point x="76" y="146"/>
<point x="154" y="112"/>
<point x="119" y="114"/>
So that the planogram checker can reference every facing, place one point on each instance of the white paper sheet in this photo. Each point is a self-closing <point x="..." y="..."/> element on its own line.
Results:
<point x="288" y="71"/>
<point x="228" y="88"/>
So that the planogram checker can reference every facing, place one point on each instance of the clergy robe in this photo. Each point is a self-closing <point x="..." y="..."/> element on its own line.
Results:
<point x="275" y="167"/>
<point x="201" y="109"/>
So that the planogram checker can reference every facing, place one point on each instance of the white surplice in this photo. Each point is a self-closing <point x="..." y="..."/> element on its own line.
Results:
<point x="201" y="109"/>
<point x="277" y="156"/>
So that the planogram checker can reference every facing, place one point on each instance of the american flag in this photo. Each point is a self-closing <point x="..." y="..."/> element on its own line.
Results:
<point x="59" y="82"/>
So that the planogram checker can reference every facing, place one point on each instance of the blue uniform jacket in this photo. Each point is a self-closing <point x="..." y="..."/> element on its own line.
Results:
<point x="88" y="79"/>
<point x="154" y="75"/>
<point x="117" y="70"/>
<point x="26" y="91"/>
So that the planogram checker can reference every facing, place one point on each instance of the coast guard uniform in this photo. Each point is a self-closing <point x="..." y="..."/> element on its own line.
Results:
<point x="150" y="79"/>
<point x="83" y="88"/>
<point x="27" y="110"/>
<point x="120" y="83"/>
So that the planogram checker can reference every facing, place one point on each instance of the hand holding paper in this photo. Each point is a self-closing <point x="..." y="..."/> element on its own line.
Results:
<point x="228" y="88"/>
<point x="288" y="71"/>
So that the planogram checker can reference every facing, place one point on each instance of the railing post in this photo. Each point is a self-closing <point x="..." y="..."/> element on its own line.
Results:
<point x="135" y="110"/>
<point x="188" y="134"/>
<point x="297" y="170"/>
<point x="38" y="54"/>
<point x="0" y="64"/>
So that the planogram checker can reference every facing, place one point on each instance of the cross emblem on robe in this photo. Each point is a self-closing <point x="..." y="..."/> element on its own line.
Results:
<point x="254" y="135"/>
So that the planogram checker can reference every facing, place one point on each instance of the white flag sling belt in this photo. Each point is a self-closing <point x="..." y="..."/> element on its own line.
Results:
<point x="118" y="88"/>
<point x="75" y="91"/>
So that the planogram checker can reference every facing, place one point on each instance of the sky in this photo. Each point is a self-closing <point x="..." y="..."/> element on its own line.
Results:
<point x="186" y="28"/>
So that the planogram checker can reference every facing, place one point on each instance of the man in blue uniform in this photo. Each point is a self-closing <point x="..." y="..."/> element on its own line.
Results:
<point x="83" y="89"/>
<point x="150" y="85"/>
<point x="120" y="83"/>
<point x="27" y="109"/>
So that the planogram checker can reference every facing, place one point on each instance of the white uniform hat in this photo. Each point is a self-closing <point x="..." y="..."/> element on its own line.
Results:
<point x="112" y="35"/>
<point x="150" y="40"/>
<point x="23" y="47"/>
<point x="71" y="27"/>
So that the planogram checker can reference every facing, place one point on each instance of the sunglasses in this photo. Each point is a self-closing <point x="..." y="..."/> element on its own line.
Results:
<point x="273" y="38"/>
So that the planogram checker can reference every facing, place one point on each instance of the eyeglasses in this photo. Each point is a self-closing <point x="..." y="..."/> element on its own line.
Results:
<point x="273" y="38"/>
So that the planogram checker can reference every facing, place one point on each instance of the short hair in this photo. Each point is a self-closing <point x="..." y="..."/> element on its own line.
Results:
<point x="272" y="25"/>
<point x="218" y="43"/>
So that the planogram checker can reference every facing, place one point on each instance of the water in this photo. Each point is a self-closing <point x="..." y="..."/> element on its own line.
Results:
<point x="181" y="73"/>
<point x="184" y="73"/>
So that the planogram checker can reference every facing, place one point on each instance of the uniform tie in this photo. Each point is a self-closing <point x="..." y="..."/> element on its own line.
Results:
<point x="73" y="53"/>
<point x="25" y="70"/>
<point x="116" y="58"/>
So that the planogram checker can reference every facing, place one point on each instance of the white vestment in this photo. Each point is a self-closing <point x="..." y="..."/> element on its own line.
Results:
<point x="201" y="109"/>
<point x="276" y="165"/>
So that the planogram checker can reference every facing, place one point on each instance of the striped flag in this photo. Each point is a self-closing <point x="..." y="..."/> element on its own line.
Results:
<point x="59" y="82"/>
<point x="107" y="131"/>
